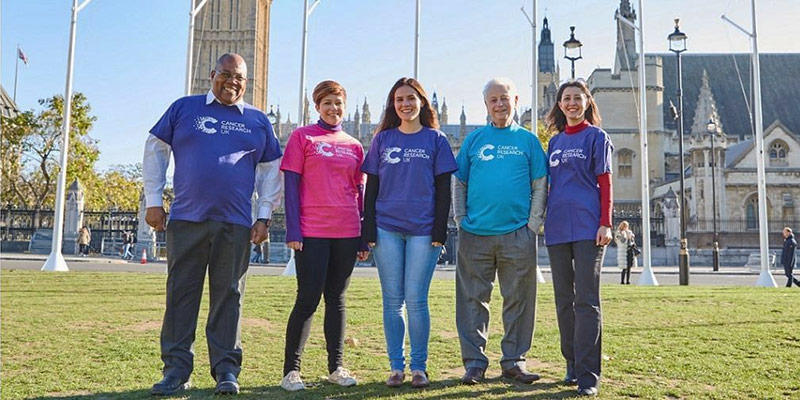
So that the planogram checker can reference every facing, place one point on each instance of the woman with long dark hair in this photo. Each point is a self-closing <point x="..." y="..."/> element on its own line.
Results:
<point x="406" y="207"/>
<point x="578" y="227"/>
<point x="323" y="189"/>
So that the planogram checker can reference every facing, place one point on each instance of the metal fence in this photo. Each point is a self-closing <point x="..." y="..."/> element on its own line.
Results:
<point x="740" y="225"/>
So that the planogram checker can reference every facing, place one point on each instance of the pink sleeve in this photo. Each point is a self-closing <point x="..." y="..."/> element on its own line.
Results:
<point x="294" y="154"/>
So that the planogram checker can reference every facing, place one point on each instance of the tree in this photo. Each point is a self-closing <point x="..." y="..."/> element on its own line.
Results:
<point x="31" y="143"/>
<point x="118" y="187"/>
<point x="542" y="133"/>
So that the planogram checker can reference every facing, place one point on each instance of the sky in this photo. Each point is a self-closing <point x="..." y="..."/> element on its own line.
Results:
<point x="130" y="56"/>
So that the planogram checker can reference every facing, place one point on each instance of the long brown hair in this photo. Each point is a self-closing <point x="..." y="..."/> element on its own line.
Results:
<point x="427" y="116"/>
<point x="557" y="121"/>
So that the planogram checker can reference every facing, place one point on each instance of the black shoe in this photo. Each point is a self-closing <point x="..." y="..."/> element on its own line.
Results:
<point x="570" y="379"/>
<point x="520" y="375"/>
<point x="587" y="391"/>
<point x="169" y="386"/>
<point x="227" y="384"/>
<point x="473" y="376"/>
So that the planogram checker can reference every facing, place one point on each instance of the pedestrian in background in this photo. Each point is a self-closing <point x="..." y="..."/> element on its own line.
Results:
<point x="84" y="238"/>
<point x="626" y="251"/>
<point x="406" y="208"/>
<point x="788" y="257"/>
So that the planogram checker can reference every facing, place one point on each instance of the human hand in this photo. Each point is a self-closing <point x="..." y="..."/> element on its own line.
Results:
<point x="156" y="217"/>
<point x="259" y="232"/>
<point x="295" y="245"/>
<point x="436" y="244"/>
<point x="362" y="255"/>
<point x="371" y="244"/>
<point x="603" y="236"/>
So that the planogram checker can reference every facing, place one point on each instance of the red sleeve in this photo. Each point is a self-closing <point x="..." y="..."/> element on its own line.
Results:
<point x="606" y="198"/>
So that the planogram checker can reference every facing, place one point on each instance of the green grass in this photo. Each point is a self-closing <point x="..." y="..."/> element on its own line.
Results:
<point x="95" y="335"/>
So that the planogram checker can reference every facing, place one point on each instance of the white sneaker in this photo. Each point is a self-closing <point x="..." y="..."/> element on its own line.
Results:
<point x="292" y="382"/>
<point x="342" y="377"/>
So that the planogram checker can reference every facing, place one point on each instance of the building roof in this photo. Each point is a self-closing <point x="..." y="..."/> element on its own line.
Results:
<point x="8" y="108"/>
<point x="735" y="153"/>
<point x="779" y="87"/>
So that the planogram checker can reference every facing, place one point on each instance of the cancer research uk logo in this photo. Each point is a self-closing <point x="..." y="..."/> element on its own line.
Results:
<point x="208" y="125"/>
<point x="489" y="152"/>
<point x="394" y="155"/>
<point x="555" y="160"/>
<point x="331" y="150"/>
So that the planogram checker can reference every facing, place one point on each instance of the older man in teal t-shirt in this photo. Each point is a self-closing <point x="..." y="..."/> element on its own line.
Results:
<point x="499" y="197"/>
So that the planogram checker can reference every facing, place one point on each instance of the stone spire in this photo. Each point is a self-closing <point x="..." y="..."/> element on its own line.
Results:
<point x="306" y="116"/>
<point x="706" y="108"/>
<point x="625" y="59"/>
<point x="365" y="117"/>
<point x="435" y="103"/>
<point x="463" y="130"/>
<point x="357" y="124"/>
<point x="443" y="115"/>
<point x="547" y="60"/>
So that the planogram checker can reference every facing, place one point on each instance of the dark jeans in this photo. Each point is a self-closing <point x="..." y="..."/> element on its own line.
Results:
<point x="323" y="267"/>
<point x="84" y="249"/>
<point x="576" y="281"/>
<point x="790" y="277"/>
<point x="192" y="247"/>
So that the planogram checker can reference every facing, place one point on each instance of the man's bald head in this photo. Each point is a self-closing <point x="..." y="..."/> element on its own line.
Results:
<point x="229" y="78"/>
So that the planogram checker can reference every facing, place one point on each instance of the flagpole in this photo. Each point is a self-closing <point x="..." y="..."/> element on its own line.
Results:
<point x="16" y="71"/>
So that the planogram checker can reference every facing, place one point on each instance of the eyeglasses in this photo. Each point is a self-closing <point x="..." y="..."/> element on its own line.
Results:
<point x="227" y="75"/>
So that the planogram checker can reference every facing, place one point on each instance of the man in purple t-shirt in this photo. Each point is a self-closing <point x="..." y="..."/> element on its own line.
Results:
<point x="223" y="147"/>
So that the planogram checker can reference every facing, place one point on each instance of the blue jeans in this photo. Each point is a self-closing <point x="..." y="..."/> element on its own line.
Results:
<point x="405" y="267"/>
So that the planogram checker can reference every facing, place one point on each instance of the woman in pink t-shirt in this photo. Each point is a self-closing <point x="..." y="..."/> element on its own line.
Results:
<point x="324" y="197"/>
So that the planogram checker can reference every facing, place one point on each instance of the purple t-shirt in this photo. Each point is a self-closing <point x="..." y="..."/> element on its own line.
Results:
<point x="573" y="204"/>
<point x="406" y="165"/>
<point x="216" y="150"/>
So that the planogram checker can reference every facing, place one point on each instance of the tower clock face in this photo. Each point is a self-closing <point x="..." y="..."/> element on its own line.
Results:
<point x="271" y="118"/>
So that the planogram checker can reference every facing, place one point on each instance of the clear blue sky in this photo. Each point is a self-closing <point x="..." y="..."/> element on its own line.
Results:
<point x="130" y="55"/>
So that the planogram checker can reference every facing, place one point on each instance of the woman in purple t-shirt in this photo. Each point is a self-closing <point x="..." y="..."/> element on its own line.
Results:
<point x="578" y="227"/>
<point x="406" y="207"/>
<point x="323" y="188"/>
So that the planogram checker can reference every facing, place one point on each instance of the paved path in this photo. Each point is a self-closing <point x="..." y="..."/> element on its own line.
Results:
<point x="700" y="275"/>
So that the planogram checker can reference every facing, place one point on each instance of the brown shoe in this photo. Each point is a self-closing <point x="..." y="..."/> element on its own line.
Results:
<point x="419" y="379"/>
<point x="396" y="378"/>
<point x="473" y="376"/>
<point x="520" y="375"/>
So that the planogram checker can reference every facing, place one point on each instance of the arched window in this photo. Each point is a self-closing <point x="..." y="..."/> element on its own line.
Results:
<point x="625" y="163"/>
<point x="751" y="212"/>
<point x="778" y="150"/>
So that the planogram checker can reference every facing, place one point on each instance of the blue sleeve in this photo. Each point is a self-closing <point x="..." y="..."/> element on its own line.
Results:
<point x="444" y="162"/>
<point x="164" y="128"/>
<point x="601" y="154"/>
<point x="291" y="184"/>
<point x="538" y="165"/>
<point x="462" y="160"/>
<point x="272" y="150"/>
<point x="373" y="159"/>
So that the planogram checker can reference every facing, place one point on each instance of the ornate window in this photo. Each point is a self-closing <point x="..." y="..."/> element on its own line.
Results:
<point x="778" y="150"/>
<point x="751" y="212"/>
<point x="625" y="163"/>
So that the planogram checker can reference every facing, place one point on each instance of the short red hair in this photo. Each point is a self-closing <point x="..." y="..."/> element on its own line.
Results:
<point x="326" y="88"/>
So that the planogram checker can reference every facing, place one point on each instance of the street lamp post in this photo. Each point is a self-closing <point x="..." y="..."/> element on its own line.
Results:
<point x="572" y="49"/>
<point x="55" y="261"/>
<point x="677" y="45"/>
<point x="711" y="127"/>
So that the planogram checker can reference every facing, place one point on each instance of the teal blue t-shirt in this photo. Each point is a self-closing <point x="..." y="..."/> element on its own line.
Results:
<point x="498" y="166"/>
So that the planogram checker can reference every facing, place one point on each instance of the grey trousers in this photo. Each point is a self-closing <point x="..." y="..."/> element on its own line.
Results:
<point x="193" y="247"/>
<point x="512" y="257"/>
<point x="576" y="283"/>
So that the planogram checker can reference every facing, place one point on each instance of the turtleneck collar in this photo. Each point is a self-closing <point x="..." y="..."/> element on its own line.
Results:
<point x="324" y="125"/>
<point x="570" y="129"/>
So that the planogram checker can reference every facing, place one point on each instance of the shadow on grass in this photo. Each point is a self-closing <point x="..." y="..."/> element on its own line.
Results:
<point x="449" y="389"/>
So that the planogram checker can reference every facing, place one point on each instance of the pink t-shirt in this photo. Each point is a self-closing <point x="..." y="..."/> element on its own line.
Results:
<point x="329" y="163"/>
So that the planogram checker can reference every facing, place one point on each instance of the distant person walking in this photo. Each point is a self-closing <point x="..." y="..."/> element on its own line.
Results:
<point x="324" y="197"/>
<point x="578" y="228"/>
<point x="405" y="223"/>
<point x="223" y="149"/>
<point x="626" y="251"/>
<point x="788" y="256"/>
<point x="84" y="238"/>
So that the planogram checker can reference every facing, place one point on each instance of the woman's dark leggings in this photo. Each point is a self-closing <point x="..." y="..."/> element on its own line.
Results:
<point x="323" y="267"/>
<point x="626" y="273"/>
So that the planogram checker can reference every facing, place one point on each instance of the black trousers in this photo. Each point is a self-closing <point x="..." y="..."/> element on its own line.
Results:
<point x="790" y="277"/>
<point x="323" y="267"/>
<point x="576" y="282"/>
<point x="222" y="249"/>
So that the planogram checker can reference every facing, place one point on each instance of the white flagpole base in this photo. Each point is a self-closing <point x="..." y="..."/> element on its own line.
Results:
<point x="290" y="269"/>
<point x="647" y="277"/>
<point x="55" y="262"/>
<point x="765" y="279"/>
<point x="539" y="276"/>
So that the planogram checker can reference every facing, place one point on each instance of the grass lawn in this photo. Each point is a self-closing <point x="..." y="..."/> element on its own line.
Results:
<point x="95" y="335"/>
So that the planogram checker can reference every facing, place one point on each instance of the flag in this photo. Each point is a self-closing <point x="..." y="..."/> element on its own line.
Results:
<point x="22" y="56"/>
